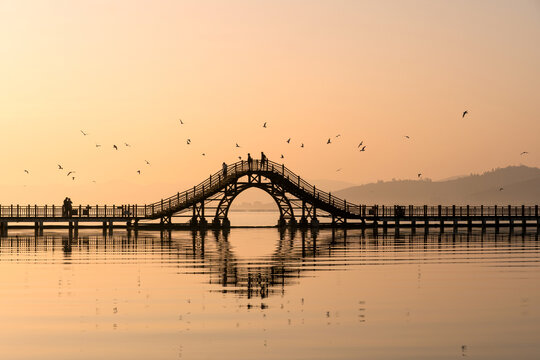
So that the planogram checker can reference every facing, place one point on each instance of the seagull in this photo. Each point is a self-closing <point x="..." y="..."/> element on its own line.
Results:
<point x="288" y="140"/>
<point x="237" y="145"/>
<point x="501" y="189"/>
<point x="239" y="158"/>
<point x="283" y="157"/>
<point x="60" y="167"/>
<point x="329" y="141"/>
<point x="93" y="181"/>
<point x="338" y="170"/>
<point x="97" y="145"/>
<point x="71" y="172"/>
<point x="147" y="163"/>
<point x="419" y="174"/>
<point x="127" y="144"/>
<point x="361" y="142"/>
<point x="181" y="122"/>
<point x="139" y="172"/>
<point x="84" y="133"/>
<point x="73" y="178"/>
<point x="407" y="137"/>
<point x="188" y="141"/>
<point x="264" y="125"/>
<point x="363" y="148"/>
<point x="524" y="153"/>
<point x="26" y="171"/>
<point x="203" y="154"/>
<point x="464" y="113"/>
<point x="302" y="145"/>
<point x="115" y="147"/>
<point x="338" y="135"/>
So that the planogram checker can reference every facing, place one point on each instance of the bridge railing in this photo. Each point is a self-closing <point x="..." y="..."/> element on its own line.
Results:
<point x="449" y="211"/>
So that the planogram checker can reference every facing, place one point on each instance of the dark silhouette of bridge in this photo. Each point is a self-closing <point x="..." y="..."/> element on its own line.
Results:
<point x="299" y="203"/>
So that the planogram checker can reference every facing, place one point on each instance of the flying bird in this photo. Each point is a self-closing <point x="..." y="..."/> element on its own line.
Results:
<point x="188" y="141"/>
<point x="203" y="154"/>
<point x="139" y="172"/>
<point x="338" y="135"/>
<point x="237" y="145"/>
<point x="181" y="122"/>
<point x="419" y="174"/>
<point x="127" y="144"/>
<point x="97" y="145"/>
<point x="288" y="140"/>
<point x="302" y="145"/>
<point x="239" y="158"/>
<point x="71" y="172"/>
<point x="338" y="170"/>
<point x="84" y="133"/>
<point x="329" y="141"/>
<point x="60" y="167"/>
<point x="501" y="189"/>
<point x="26" y="171"/>
<point x="147" y="163"/>
<point x="264" y="125"/>
<point x="464" y="113"/>
<point x="283" y="157"/>
<point x="524" y="153"/>
<point x="361" y="142"/>
<point x="73" y="178"/>
<point x="115" y="147"/>
<point x="407" y="136"/>
<point x="363" y="148"/>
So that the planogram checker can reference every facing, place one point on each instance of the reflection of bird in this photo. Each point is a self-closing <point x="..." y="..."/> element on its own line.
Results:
<point x="328" y="142"/>
<point x="60" y="167"/>
<point x="181" y="122"/>
<point x="139" y="172"/>
<point x="464" y="113"/>
<point x="147" y="163"/>
<point x="501" y="189"/>
<point x="361" y="142"/>
<point x="363" y="148"/>
<point x="71" y="172"/>
<point x="288" y="140"/>
<point x="115" y="147"/>
<point x="188" y="141"/>
<point x="524" y="153"/>
<point x="26" y="171"/>
<point x="264" y="125"/>
<point x="84" y="133"/>
<point x="237" y="145"/>
<point x="283" y="157"/>
<point x="420" y="175"/>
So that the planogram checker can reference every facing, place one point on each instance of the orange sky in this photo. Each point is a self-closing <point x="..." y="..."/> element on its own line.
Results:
<point x="126" y="71"/>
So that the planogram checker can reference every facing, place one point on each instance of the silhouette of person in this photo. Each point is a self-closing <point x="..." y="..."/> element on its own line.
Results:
<point x="68" y="207"/>
<point x="263" y="159"/>
<point x="224" y="169"/>
<point x="250" y="161"/>
<point x="64" y="207"/>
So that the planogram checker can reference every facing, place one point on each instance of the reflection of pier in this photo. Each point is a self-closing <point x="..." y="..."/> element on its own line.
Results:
<point x="296" y="253"/>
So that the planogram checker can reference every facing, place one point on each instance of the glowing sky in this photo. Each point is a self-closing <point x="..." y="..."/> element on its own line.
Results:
<point x="372" y="71"/>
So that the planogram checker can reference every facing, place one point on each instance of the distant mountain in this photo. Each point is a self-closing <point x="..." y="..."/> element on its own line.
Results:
<point x="520" y="184"/>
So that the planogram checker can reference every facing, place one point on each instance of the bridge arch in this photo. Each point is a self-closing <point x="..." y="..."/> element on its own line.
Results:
<point x="276" y="192"/>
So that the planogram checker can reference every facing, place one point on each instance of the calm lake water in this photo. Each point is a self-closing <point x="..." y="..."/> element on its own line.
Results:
<point x="262" y="294"/>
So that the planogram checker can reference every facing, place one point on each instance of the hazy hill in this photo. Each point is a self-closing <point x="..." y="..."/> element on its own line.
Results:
<point x="521" y="185"/>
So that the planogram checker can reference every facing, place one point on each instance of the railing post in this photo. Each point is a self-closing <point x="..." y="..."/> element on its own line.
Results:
<point x="178" y="198"/>
<point x="536" y="210"/>
<point x="298" y="180"/>
<point x="53" y="211"/>
<point x="161" y="209"/>
<point x="105" y="210"/>
<point x="283" y="169"/>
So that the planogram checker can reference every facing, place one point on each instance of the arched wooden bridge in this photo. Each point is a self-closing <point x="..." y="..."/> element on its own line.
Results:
<point x="299" y="204"/>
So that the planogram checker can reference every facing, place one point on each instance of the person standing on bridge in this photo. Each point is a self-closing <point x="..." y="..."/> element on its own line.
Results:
<point x="64" y="207"/>
<point x="224" y="170"/>
<point x="250" y="161"/>
<point x="263" y="160"/>
<point x="68" y="207"/>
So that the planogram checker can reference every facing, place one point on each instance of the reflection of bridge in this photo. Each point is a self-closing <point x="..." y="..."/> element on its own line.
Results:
<point x="298" y="202"/>
<point x="296" y="252"/>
